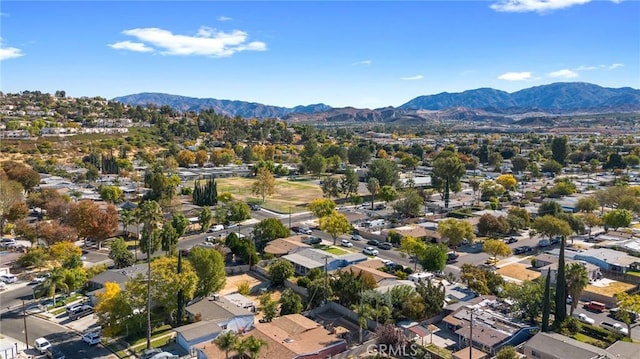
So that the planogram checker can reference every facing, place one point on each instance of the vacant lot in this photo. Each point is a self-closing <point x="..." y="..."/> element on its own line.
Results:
<point x="234" y="281"/>
<point x="518" y="271"/>
<point x="289" y="195"/>
<point x="608" y="287"/>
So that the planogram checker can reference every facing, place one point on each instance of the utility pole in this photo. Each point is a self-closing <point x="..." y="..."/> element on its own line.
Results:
<point x="289" y="217"/>
<point x="326" y="277"/>
<point x="24" y="318"/>
<point x="149" y="290"/>
<point x="471" y="336"/>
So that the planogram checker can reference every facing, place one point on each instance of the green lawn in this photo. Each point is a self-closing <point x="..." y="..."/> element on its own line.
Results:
<point x="637" y="274"/>
<point x="589" y="340"/>
<point x="442" y="352"/>
<point x="335" y="250"/>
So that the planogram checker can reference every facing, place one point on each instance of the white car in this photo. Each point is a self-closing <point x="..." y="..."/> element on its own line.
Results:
<point x="585" y="318"/>
<point x="8" y="278"/>
<point x="370" y="251"/>
<point x="346" y="243"/>
<point x="92" y="338"/>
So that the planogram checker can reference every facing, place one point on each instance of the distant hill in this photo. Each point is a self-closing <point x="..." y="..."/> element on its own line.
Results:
<point x="558" y="97"/>
<point x="226" y="107"/>
<point x="483" y="104"/>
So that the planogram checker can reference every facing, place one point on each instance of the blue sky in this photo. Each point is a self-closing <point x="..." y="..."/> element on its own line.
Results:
<point x="285" y="53"/>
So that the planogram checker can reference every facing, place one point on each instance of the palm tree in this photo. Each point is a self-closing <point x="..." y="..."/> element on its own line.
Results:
<point x="150" y="213"/>
<point x="55" y="281"/>
<point x="253" y="346"/>
<point x="226" y="342"/>
<point x="126" y="217"/>
<point x="365" y="313"/>
<point x="577" y="280"/>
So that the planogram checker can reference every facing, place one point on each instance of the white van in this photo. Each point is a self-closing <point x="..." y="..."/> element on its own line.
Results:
<point x="42" y="345"/>
<point x="8" y="278"/>
<point x="216" y="228"/>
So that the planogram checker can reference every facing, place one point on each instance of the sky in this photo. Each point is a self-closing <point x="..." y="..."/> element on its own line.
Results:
<point x="365" y="54"/>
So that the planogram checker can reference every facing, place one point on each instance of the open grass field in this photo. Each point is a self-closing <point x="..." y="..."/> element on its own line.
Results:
<point x="290" y="195"/>
<point x="518" y="271"/>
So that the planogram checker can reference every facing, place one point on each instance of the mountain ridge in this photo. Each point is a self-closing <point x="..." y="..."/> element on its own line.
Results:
<point x="555" y="98"/>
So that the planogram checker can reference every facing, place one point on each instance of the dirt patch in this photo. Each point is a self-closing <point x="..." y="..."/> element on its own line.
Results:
<point x="234" y="281"/>
<point x="289" y="195"/>
<point x="608" y="287"/>
<point x="518" y="271"/>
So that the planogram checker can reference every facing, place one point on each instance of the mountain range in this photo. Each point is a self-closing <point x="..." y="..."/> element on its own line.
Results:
<point x="478" y="104"/>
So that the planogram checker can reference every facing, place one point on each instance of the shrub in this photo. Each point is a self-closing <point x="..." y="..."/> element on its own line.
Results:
<point x="244" y="288"/>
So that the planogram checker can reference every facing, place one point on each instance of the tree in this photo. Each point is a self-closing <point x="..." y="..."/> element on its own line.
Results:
<point x="264" y="185"/>
<point x="546" y="303"/>
<point x="519" y="163"/>
<point x="628" y="303"/>
<point x="447" y="172"/>
<point x="358" y="155"/>
<point x="587" y="204"/>
<point x="551" y="208"/>
<point x="413" y="248"/>
<point x="92" y="222"/>
<point x="166" y="282"/>
<point x="253" y="346"/>
<point x="290" y="302"/>
<point x="617" y="218"/>
<point x="481" y="280"/>
<point x="373" y="186"/>
<point x="388" y="194"/>
<point x="560" y="149"/>
<point x="349" y="286"/>
<point x="434" y="257"/>
<point x="10" y="194"/>
<point x="150" y="214"/>
<point x="455" y="231"/>
<point x="127" y="218"/>
<point x="410" y="204"/>
<point x="54" y="282"/>
<point x="330" y="187"/>
<point x="496" y="248"/>
<point x="120" y="254"/>
<point x="322" y="207"/>
<point x="169" y="239"/>
<point x="269" y="229"/>
<point x="591" y="220"/>
<point x="180" y="222"/>
<point x="317" y="164"/>
<point x="561" y="288"/>
<point x="365" y="313"/>
<point x="280" y="271"/>
<point x="22" y="174"/>
<point x="528" y="298"/>
<point x="204" y="218"/>
<point x="385" y="171"/>
<point x="226" y="341"/>
<point x="349" y="182"/>
<point x="111" y="194"/>
<point x="208" y="265"/>
<point x="507" y="352"/>
<point x="433" y="296"/>
<point x="318" y="291"/>
<point x="577" y="280"/>
<point x="111" y="309"/>
<point x="492" y="226"/>
<point x="335" y="224"/>
<point x="551" y="226"/>
<point x="205" y="194"/>
<point x="268" y="306"/>
<point x="185" y="158"/>
<point x="507" y="181"/>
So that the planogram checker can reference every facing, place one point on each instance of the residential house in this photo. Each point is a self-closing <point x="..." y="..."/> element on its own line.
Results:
<point x="608" y="259"/>
<point x="290" y="336"/>
<point x="545" y="262"/>
<point x="558" y="346"/>
<point x="309" y="258"/>
<point x="224" y="312"/>
<point x="369" y="267"/>
<point x="493" y="326"/>
<point x="119" y="276"/>
<point x="283" y="246"/>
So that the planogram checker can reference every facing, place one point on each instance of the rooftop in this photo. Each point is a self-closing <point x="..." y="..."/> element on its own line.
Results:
<point x="198" y="330"/>
<point x="216" y="310"/>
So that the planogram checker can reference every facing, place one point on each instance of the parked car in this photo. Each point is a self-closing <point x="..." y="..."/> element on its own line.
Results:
<point x="555" y="240"/>
<point x="613" y="313"/>
<point x="373" y="242"/>
<point x="385" y="245"/>
<point x="544" y="243"/>
<point x="255" y="207"/>
<point x="380" y="206"/>
<point x="8" y="242"/>
<point x="370" y="251"/>
<point x="301" y="230"/>
<point x="92" y="338"/>
<point x="55" y="353"/>
<point x="357" y="238"/>
<point x="511" y="240"/>
<point x="8" y="278"/>
<point x="595" y="306"/>
<point x="312" y="240"/>
<point x="452" y="257"/>
<point x="42" y="344"/>
<point x="492" y="260"/>
<point x="346" y="243"/>
<point x="585" y="318"/>
<point x="215" y="228"/>
<point x="615" y="327"/>
<point x="80" y="312"/>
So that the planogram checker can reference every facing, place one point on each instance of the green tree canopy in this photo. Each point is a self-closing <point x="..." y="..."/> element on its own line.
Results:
<point x="120" y="254"/>
<point x="322" y="207"/>
<point x="455" y="231"/>
<point x="279" y="271"/>
<point x="208" y="265"/>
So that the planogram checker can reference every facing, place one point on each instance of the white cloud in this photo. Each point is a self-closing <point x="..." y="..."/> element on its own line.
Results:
<point x="515" y="76"/>
<point x="7" y="53"/>
<point x="564" y="73"/>
<point x="224" y="18"/>
<point x="206" y="42"/>
<point x="412" y="78"/>
<point x="131" y="46"/>
<point x="540" y="6"/>
<point x="615" y="66"/>
<point x="585" y="68"/>
<point x="362" y="63"/>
